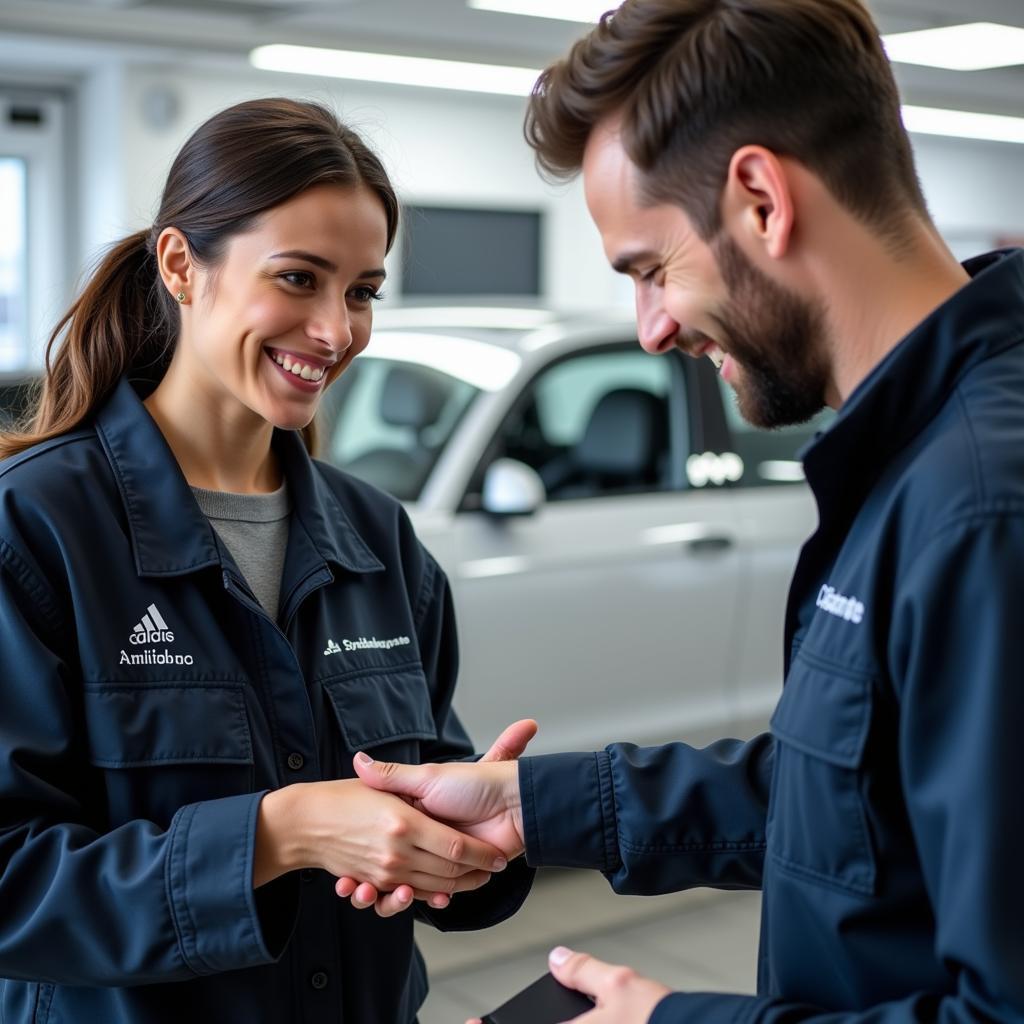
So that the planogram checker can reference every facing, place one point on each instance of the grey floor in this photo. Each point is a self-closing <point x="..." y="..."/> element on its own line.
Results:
<point x="698" y="941"/>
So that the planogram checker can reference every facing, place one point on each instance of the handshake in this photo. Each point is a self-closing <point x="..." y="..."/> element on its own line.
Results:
<point x="404" y="832"/>
<point x="400" y="832"/>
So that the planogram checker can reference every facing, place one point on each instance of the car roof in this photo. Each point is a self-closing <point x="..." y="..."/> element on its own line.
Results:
<point x="518" y="329"/>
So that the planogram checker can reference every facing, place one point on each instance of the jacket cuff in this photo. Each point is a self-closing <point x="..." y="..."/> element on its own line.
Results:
<point x="705" y="1007"/>
<point x="208" y="877"/>
<point x="569" y="811"/>
<point x="489" y="905"/>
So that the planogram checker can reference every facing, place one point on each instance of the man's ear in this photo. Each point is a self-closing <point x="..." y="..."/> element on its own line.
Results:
<point x="757" y="201"/>
<point x="174" y="258"/>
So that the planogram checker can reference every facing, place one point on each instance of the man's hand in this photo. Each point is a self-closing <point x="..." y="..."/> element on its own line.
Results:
<point x="481" y="800"/>
<point x="621" y="995"/>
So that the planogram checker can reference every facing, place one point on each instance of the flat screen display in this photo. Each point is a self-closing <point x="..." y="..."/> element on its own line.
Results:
<point x="450" y="251"/>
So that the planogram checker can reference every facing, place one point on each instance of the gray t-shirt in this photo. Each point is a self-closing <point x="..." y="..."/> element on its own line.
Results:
<point x="254" y="528"/>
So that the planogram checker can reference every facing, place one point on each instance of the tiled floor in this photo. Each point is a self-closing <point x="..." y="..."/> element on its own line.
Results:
<point x="700" y="941"/>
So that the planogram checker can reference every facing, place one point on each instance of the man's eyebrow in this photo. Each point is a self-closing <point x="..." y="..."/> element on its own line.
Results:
<point x="625" y="263"/>
<point x="319" y="261"/>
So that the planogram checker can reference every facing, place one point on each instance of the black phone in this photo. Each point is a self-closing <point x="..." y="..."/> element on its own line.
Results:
<point x="546" y="1001"/>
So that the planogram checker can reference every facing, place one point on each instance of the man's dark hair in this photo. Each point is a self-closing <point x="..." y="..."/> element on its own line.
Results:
<point x="695" y="80"/>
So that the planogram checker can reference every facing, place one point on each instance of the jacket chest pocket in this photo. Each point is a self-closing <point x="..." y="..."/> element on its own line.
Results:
<point x="386" y="711"/>
<point x="163" y="745"/>
<point x="817" y="825"/>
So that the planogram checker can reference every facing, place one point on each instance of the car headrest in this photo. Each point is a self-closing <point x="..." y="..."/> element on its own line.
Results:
<point x="624" y="435"/>
<point x="412" y="398"/>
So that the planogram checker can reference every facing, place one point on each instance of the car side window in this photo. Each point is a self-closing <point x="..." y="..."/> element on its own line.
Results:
<point x="387" y="422"/>
<point x="769" y="457"/>
<point x="593" y="425"/>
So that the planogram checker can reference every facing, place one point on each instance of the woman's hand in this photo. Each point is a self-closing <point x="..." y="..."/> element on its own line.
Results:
<point x="348" y="829"/>
<point x="463" y="805"/>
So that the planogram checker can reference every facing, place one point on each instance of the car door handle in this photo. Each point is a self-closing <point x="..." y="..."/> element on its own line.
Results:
<point x="711" y="544"/>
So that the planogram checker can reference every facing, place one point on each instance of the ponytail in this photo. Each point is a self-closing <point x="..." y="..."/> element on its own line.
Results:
<point x="121" y="322"/>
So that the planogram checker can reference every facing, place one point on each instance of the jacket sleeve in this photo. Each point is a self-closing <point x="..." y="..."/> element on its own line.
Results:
<point x="652" y="819"/>
<point x="505" y="893"/>
<point x="955" y="657"/>
<point x="83" y="906"/>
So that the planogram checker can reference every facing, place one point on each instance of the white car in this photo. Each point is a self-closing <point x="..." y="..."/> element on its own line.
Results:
<point x="619" y="541"/>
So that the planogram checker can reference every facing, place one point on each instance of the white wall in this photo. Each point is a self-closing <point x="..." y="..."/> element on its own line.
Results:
<point x="439" y="147"/>
<point x="975" y="190"/>
<point x="462" y="148"/>
<point x="99" y="178"/>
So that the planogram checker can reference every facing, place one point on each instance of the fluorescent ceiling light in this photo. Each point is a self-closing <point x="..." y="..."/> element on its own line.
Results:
<point x="511" y="81"/>
<point x="973" y="47"/>
<point x="562" y="10"/>
<point x="395" y="70"/>
<point x="963" y="124"/>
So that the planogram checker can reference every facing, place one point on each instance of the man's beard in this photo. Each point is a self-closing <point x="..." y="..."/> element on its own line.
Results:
<point x="775" y="338"/>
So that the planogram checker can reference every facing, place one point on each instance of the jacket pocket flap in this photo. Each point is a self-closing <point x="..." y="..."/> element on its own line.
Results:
<point x="824" y="712"/>
<point x="150" y="725"/>
<point x="377" y="707"/>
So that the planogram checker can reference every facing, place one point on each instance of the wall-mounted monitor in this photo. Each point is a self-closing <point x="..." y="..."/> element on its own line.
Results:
<point x="459" y="251"/>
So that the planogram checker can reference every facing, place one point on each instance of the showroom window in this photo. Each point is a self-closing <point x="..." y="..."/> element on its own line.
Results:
<point x="13" y="262"/>
<point x="34" y="243"/>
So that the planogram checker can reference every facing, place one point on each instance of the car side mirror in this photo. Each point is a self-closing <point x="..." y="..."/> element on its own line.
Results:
<point x="511" y="488"/>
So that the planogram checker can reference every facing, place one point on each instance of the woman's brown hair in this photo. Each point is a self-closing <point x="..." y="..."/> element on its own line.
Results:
<point x="695" y="80"/>
<point x="234" y="167"/>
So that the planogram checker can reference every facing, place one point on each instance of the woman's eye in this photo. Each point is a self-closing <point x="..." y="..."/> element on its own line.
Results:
<point x="299" y="278"/>
<point x="364" y="293"/>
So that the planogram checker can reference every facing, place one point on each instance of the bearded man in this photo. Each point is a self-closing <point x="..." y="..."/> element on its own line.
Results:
<point x="746" y="165"/>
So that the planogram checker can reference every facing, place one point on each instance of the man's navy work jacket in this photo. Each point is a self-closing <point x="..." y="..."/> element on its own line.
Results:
<point x="147" y="703"/>
<point x="882" y="815"/>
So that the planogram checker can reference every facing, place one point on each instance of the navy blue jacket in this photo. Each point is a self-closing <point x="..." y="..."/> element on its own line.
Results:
<point x="148" y="703"/>
<point x="882" y="815"/>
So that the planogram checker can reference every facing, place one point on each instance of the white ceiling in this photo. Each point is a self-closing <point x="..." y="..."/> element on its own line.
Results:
<point x="204" y="29"/>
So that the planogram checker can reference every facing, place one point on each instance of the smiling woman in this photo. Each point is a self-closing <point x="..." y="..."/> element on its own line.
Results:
<point x="190" y="606"/>
<point x="266" y="329"/>
<point x="225" y="191"/>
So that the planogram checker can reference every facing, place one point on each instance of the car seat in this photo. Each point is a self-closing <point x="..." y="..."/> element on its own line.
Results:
<point x="623" y="449"/>
<point x="411" y="399"/>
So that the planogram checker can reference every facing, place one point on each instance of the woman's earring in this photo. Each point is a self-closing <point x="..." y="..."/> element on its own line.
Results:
<point x="180" y="296"/>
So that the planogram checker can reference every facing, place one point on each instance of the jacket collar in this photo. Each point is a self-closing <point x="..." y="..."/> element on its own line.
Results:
<point x="169" y="533"/>
<point x="911" y="384"/>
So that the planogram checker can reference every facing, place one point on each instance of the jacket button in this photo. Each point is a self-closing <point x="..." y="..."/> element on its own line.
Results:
<point x="295" y="761"/>
<point x="306" y="874"/>
<point x="319" y="980"/>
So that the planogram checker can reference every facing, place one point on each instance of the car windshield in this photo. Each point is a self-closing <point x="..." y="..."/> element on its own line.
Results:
<point x="388" y="421"/>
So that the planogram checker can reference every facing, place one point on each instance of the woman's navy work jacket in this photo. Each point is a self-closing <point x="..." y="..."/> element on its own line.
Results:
<point x="148" y="703"/>
<point x="883" y="814"/>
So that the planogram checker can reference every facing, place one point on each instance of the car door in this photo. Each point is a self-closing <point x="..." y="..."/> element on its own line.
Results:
<point x="608" y="614"/>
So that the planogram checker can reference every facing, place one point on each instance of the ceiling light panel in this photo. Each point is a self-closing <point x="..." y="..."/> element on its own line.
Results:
<point x="972" y="47"/>
<point x="513" y="81"/>
<point x="561" y="10"/>
<point x="396" y="70"/>
<point x="963" y="124"/>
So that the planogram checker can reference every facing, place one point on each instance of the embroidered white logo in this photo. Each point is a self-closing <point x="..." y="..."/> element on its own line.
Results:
<point x="332" y="647"/>
<point x="843" y="607"/>
<point x="152" y="629"/>
<point x="363" y="644"/>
